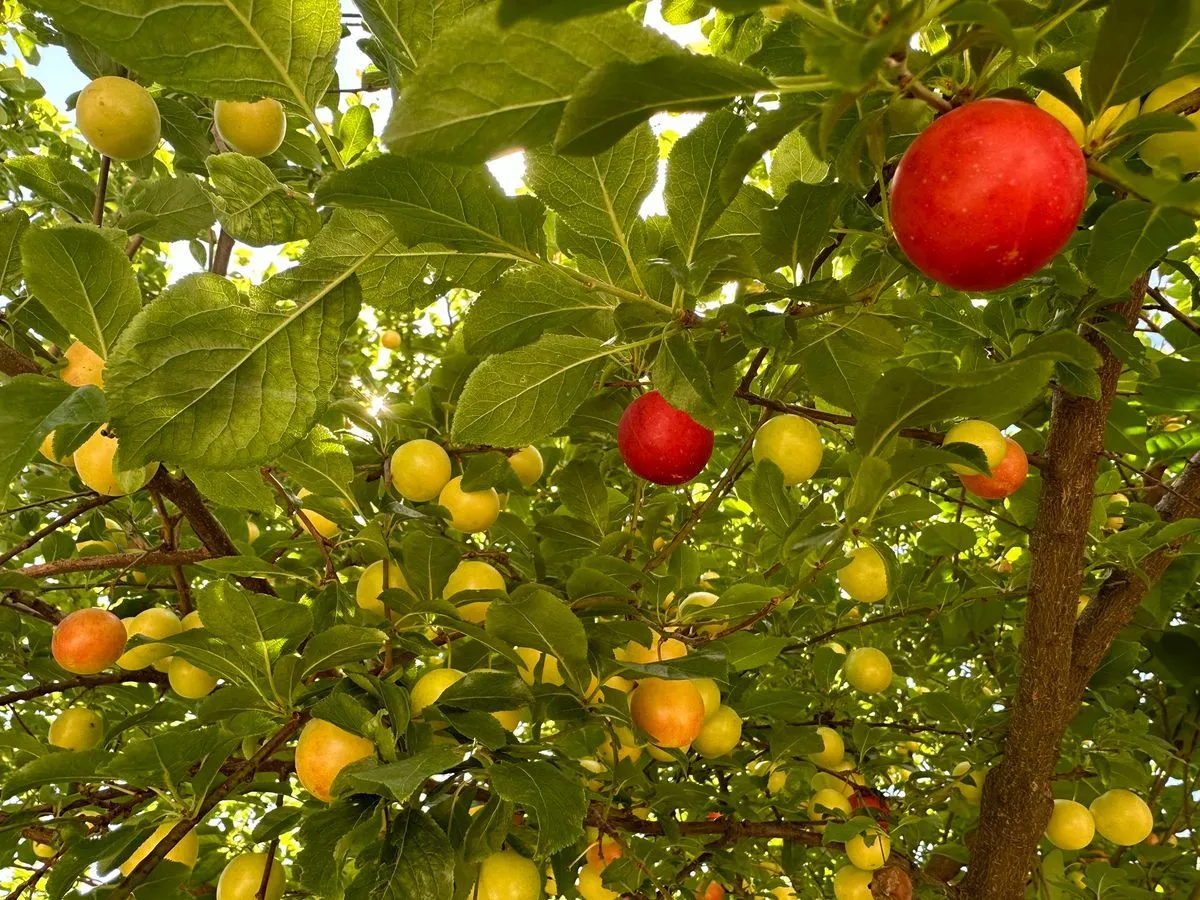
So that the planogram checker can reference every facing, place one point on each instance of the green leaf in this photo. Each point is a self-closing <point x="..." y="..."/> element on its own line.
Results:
<point x="202" y="378"/>
<point x="398" y="781"/>
<point x="748" y="651"/>
<point x="770" y="500"/>
<point x="254" y="206"/>
<point x="164" y="759"/>
<point x="487" y="690"/>
<point x="946" y="538"/>
<point x="83" y="280"/>
<point x="56" y="768"/>
<point x="693" y="195"/>
<point x="554" y="10"/>
<point x="799" y="226"/>
<point x="684" y="380"/>
<point x="167" y="209"/>
<point x="540" y="620"/>
<point x="463" y="209"/>
<point x="260" y="626"/>
<point x="1134" y="46"/>
<point x="218" y="658"/>
<point x="13" y="224"/>
<point x="582" y="490"/>
<point x="485" y="89"/>
<point x="1128" y="238"/>
<point x="408" y="29"/>
<point x="428" y="561"/>
<point x="239" y="488"/>
<point x="356" y="131"/>
<point x="324" y="837"/>
<point x="526" y="302"/>
<point x="414" y="860"/>
<point x="62" y="183"/>
<point x="616" y="98"/>
<point x="557" y="801"/>
<point x="844" y="356"/>
<point x="245" y="50"/>
<point x="793" y="161"/>
<point x="32" y="406"/>
<point x="339" y="645"/>
<point x="321" y="465"/>
<point x="515" y="398"/>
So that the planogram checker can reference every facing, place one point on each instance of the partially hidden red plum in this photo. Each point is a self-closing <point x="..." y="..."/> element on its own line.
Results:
<point x="661" y="443"/>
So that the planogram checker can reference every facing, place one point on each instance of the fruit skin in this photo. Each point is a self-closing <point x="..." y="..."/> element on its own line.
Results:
<point x="1071" y="826"/>
<point x="661" y="443"/>
<point x="591" y="885"/>
<point x="865" y="579"/>
<point x="872" y="857"/>
<point x="1108" y="121"/>
<point x="720" y="733"/>
<point x="429" y="687"/>
<point x="83" y="366"/>
<point x="527" y="464"/>
<point x="43" y="851"/>
<point x="252" y="129"/>
<point x="988" y="194"/>
<point x="94" y="463"/>
<point x="984" y="435"/>
<point x="1006" y="478"/>
<point x="189" y="681"/>
<point x="370" y="585"/>
<point x="46" y="448"/>
<point x="470" y="511"/>
<point x="420" y="469"/>
<point x="670" y="712"/>
<point x="791" y="442"/>
<point x="184" y="852"/>
<point x="852" y="883"/>
<point x="77" y="728"/>
<point x="474" y="575"/>
<point x="1183" y="145"/>
<point x="88" y="641"/>
<point x="118" y="117"/>
<point x="322" y="751"/>
<point x="1123" y="817"/>
<point x="242" y="878"/>
<point x="529" y="672"/>
<point x="868" y="670"/>
<point x="508" y="875"/>
<point x="658" y="651"/>
<point x="712" y="891"/>
<point x="869" y="798"/>
<point x="710" y="693"/>
<point x="390" y="339"/>
<point x="325" y="527"/>
<point x="156" y="623"/>
<point x="604" y="851"/>
<point x="833" y="751"/>
<point x="833" y="801"/>
<point x="844" y="785"/>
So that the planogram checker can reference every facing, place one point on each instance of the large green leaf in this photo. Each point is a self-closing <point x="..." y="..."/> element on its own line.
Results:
<point x="203" y="378"/>
<point x="1128" y="238"/>
<point x="693" y="192"/>
<point x="484" y="89"/>
<point x="415" y="859"/>
<point x="254" y="206"/>
<point x="554" y="10"/>
<point x="167" y="209"/>
<point x="798" y="228"/>
<point x="515" y="398"/>
<point x="321" y="465"/>
<point x="557" y="801"/>
<point x="257" y="625"/>
<point x="225" y="49"/>
<point x="13" y="224"/>
<point x="62" y="183"/>
<point x="487" y="690"/>
<point x="239" y="488"/>
<point x="83" y="280"/>
<point x="400" y="780"/>
<point x="540" y="620"/>
<point x="339" y="645"/>
<point x="55" y="768"/>
<point x="1134" y="46"/>
<point x="407" y="29"/>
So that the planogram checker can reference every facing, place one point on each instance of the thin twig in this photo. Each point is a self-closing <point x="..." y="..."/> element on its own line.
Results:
<point x="65" y="519"/>
<point x="139" y="676"/>
<point x="101" y="191"/>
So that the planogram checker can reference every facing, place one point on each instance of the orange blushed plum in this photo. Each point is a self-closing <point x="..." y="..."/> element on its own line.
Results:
<point x="671" y="712"/>
<point x="88" y="641"/>
<point x="1006" y="478"/>
<point x="323" y="751"/>
<point x="988" y="194"/>
<point x="661" y="443"/>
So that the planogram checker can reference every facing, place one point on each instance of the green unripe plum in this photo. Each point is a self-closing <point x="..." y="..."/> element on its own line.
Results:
<point x="720" y="734"/>
<point x="420" y="469"/>
<point x="1071" y="826"/>
<point x="791" y="442"/>
<point x="508" y="875"/>
<point x="984" y="435"/>
<point x="710" y="693"/>
<point x="833" y="750"/>
<point x="865" y="579"/>
<point x="189" y="681"/>
<point x="1123" y="817"/>
<point x="869" y="857"/>
<point x="1182" y="146"/>
<point x="429" y="687"/>
<point x="76" y="729"/>
<point x="470" y="511"/>
<point x="473" y="575"/>
<point x="852" y="883"/>
<point x="242" y="878"/>
<point x="868" y="670"/>
<point x="370" y="586"/>
<point x="527" y="464"/>
<point x="118" y="117"/>
<point x="252" y="129"/>
<point x="156" y="623"/>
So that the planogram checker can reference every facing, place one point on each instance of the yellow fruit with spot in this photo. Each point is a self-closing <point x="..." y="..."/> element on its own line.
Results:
<point x="94" y="463"/>
<point x="533" y="659"/>
<point x="1181" y="147"/>
<point x="371" y="585"/>
<point x="591" y="885"/>
<point x="420" y="470"/>
<point x="791" y="442"/>
<point x="390" y="339"/>
<point x="507" y="875"/>
<point x="1122" y="817"/>
<point x="852" y="883"/>
<point x="833" y="749"/>
<point x="253" y="129"/>
<point x="868" y="670"/>
<point x="710" y="693"/>
<point x="865" y="578"/>
<point x="720" y="734"/>
<point x="155" y="623"/>
<point x="184" y="852"/>
<point x="869" y="856"/>
<point x="429" y="687"/>
<point x="984" y="435"/>
<point x="83" y="366"/>
<point x="325" y="527"/>
<point x="242" y="878"/>
<point x="474" y="575"/>
<point x="527" y="464"/>
<point x="470" y="511"/>
<point x="1105" y="123"/>
<point x="77" y="728"/>
<point x="1071" y="826"/>
<point x="189" y="681"/>
<point x="118" y="117"/>
<point x="322" y="751"/>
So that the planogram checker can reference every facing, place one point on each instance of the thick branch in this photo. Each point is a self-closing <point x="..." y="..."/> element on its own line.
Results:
<point x="611" y="819"/>
<point x="141" y="676"/>
<point x="32" y="606"/>
<point x="65" y="519"/>
<point x="222" y="253"/>
<point x="14" y="362"/>
<point x="118" y="561"/>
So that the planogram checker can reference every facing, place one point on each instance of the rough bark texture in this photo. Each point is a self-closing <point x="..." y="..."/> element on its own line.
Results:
<point x="13" y="362"/>
<point x="1017" y="798"/>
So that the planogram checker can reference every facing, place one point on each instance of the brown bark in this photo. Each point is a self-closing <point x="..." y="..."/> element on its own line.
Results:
<point x="14" y="363"/>
<point x="65" y="519"/>
<point x="117" y="561"/>
<point x="144" y="676"/>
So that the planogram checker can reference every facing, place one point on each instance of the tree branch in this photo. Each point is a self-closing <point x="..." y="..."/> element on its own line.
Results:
<point x="140" y="676"/>
<point x="14" y="362"/>
<point x="118" y="561"/>
<point x="222" y="253"/>
<point x="65" y="519"/>
<point x="1166" y="306"/>
<point x="32" y="606"/>
<point x="101" y="191"/>
<point x="817" y="415"/>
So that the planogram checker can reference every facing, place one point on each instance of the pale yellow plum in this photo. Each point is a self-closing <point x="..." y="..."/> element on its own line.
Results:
<point x="1183" y="147"/>
<point x="833" y="749"/>
<point x="1101" y="126"/>
<point x="852" y="883"/>
<point x="527" y="464"/>
<point x="325" y="527"/>
<point x="185" y="852"/>
<point x="473" y="575"/>
<point x="420" y="470"/>
<point x="710" y="693"/>
<point x="532" y="659"/>
<point x="1122" y="817"/>
<point x="84" y="366"/>
<point x="371" y="585"/>
<point x="872" y="856"/>
<point x="322" y="751"/>
<point x="189" y="681"/>
<point x="94" y="463"/>
<point x="984" y="435"/>
<point x="470" y="511"/>
<point x="118" y="117"/>
<point x="155" y="623"/>
<point x="507" y="875"/>
<point x="591" y="885"/>
<point x="868" y="670"/>
<point x="791" y="442"/>
<point x="865" y="578"/>
<point x="720" y="734"/>
<point x="1071" y="826"/>
<point x="253" y="129"/>
<point x="77" y="728"/>
<point x="429" y="687"/>
<point x="242" y="878"/>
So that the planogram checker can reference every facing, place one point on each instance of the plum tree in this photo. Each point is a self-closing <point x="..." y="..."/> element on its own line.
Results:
<point x="118" y="117"/>
<point x="252" y="128"/>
